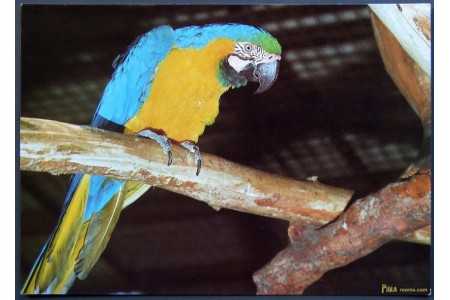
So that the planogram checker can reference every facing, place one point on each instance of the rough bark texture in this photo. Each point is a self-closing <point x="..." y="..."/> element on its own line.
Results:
<point x="58" y="148"/>
<point x="395" y="211"/>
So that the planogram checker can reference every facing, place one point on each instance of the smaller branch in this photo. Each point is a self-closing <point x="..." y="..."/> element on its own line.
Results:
<point x="395" y="211"/>
<point x="60" y="148"/>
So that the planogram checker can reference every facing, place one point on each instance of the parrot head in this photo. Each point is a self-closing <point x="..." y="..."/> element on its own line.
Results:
<point x="251" y="62"/>
<point x="254" y="56"/>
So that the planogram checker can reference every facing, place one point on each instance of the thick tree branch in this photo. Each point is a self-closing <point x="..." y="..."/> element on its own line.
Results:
<point x="395" y="211"/>
<point x="58" y="148"/>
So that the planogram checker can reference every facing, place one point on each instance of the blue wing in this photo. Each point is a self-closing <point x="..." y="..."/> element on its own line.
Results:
<point x="93" y="203"/>
<point x="133" y="77"/>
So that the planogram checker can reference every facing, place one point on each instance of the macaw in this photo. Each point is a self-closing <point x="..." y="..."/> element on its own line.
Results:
<point x="165" y="87"/>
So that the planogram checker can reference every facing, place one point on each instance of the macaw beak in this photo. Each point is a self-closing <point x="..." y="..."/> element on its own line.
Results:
<point x="265" y="73"/>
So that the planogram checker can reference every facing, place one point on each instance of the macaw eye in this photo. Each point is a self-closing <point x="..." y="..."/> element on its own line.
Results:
<point x="248" y="47"/>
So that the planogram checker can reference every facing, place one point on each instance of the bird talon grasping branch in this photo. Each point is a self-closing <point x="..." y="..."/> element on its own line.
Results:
<point x="162" y="140"/>
<point x="196" y="150"/>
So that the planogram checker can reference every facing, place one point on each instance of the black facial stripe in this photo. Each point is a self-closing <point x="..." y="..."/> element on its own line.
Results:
<point x="257" y="54"/>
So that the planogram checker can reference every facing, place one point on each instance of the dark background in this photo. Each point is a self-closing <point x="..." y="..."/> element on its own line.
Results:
<point x="334" y="112"/>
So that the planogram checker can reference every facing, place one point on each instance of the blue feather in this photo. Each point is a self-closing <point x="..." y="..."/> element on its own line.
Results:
<point x="200" y="36"/>
<point x="132" y="79"/>
<point x="101" y="190"/>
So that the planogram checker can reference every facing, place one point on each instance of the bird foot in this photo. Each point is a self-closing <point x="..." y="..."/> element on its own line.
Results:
<point x="196" y="150"/>
<point x="162" y="140"/>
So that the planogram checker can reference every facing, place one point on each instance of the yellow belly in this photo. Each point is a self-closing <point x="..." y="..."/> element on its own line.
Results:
<point x="185" y="93"/>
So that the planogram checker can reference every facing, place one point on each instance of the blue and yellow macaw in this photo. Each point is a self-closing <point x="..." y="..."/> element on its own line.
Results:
<point x="166" y="87"/>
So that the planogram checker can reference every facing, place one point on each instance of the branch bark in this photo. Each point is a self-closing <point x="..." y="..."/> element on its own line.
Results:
<point x="392" y="213"/>
<point x="60" y="148"/>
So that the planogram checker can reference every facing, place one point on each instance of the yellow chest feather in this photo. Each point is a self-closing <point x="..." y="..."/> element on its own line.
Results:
<point x="185" y="93"/>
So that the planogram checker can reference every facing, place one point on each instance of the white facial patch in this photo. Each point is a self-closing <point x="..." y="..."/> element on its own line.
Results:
<point x="237" y="63"/>
<point x="248" y="51"/>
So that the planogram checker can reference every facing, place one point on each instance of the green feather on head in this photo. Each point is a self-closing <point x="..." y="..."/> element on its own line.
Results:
<point x="199" y="36"/>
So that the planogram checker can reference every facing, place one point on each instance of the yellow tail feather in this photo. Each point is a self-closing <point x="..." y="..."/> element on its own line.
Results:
<point x="55" y="264"/>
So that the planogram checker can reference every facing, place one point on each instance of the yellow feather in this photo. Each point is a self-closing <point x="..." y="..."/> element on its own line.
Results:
<point x="56" y="262"/>
<point x="100" y="227"/>
<point x="134" y="190"/>
<point x="184" y="97"/>
<point x="76" y="246"/>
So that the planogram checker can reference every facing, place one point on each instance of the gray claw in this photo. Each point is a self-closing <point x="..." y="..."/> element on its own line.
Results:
<point x="169" y="153"/>
<point x="196" y="150"/>
<point x="162" y="140"/>
<point x="199" y="166"/>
